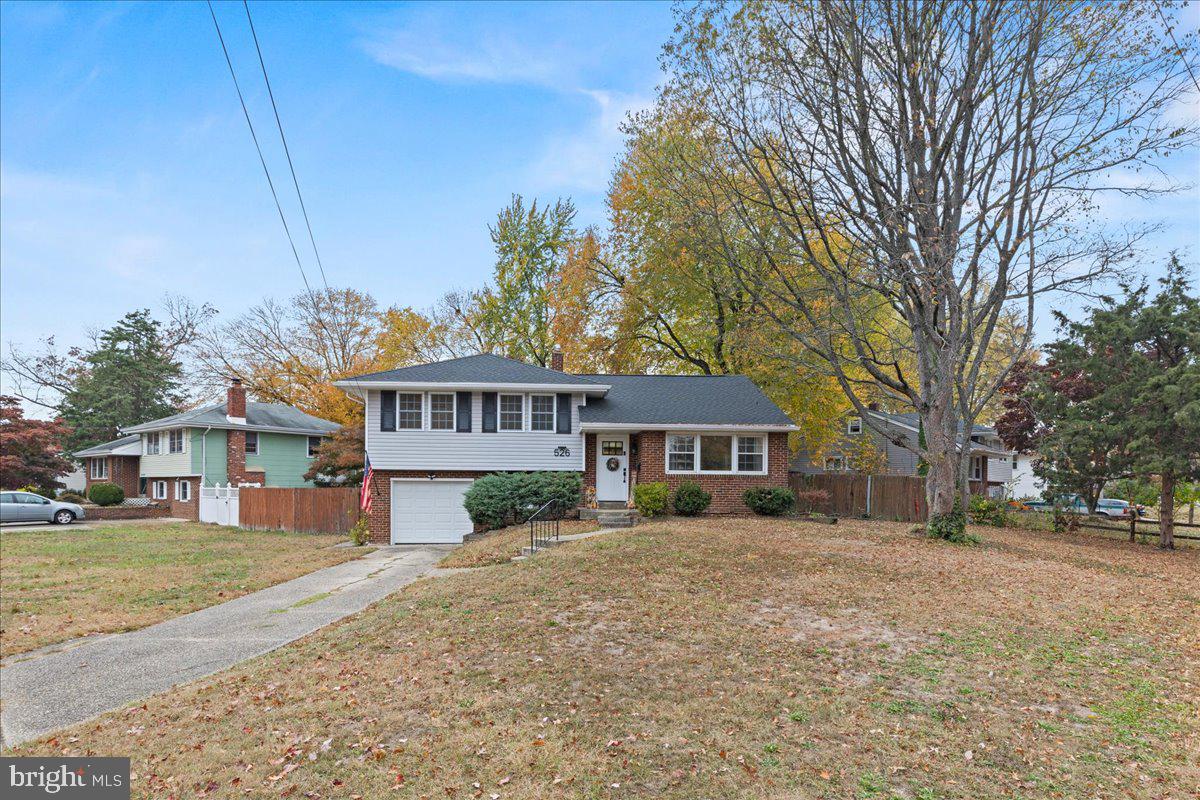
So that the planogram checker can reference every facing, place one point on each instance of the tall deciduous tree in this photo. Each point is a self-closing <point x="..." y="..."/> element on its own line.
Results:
<point x="31" y="450"/>
<point x="936" y="159"/>
<point x="127" y="379"/>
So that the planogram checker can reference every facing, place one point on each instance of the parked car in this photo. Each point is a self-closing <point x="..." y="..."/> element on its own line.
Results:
<point x="29" y="507"/>
<point x="1106" y="507"/>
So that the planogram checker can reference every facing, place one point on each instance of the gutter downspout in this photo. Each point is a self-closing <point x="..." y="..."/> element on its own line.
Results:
<point x="204" y="455"/>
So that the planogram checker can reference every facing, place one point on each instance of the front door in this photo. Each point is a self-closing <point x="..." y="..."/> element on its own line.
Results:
<point x="612" y="467"/>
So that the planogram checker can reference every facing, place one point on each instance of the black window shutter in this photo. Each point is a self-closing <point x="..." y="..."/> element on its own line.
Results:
<point x="463" y="399"/>
<point x="387" y="410"/>
<point x="562" y="421"/>
<point x="489" y="412"/>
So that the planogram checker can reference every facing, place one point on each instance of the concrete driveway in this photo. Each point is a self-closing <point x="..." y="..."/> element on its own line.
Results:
<point x="75" y="681"/>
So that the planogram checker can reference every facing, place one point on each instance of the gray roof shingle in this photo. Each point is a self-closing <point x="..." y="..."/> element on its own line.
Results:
<point x="483" y="368"/>
<point x="107" y="447"/>
<point x="681" y="400"/>
<point x="260" y="416"/>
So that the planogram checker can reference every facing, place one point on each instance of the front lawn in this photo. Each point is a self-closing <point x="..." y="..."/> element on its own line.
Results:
<point x="499" y="546"/>
<point x="57" y="583"/>
<point x="717" y="659"/>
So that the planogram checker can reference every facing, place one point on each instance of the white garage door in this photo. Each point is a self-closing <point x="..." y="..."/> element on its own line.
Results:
<point x="425" y="511"/>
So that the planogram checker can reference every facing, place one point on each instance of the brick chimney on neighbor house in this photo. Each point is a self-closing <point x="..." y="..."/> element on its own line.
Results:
<point x="556" y="360"/>
<point x="235" y="440"/>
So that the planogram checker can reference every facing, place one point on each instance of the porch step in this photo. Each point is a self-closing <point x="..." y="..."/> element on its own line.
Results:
<point x="612" y="504"/>
<point x="611" y="514"/>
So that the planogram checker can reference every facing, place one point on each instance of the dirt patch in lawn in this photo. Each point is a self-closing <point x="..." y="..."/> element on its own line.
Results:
<point x="716" y="659"/>
<point x="61" y="583"/>
<point x="499" y="546"/>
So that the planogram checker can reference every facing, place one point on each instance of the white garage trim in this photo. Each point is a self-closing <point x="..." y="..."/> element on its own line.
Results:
<point x="434" y="516"/>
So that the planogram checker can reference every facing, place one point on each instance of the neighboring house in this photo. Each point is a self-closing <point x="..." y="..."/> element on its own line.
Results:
<point x="1024" y="483"/>
<point x="990" y="468"/>
<point x="114" y="462"/>
<point x="432" y="429"/>
<point x="235" y="442"/>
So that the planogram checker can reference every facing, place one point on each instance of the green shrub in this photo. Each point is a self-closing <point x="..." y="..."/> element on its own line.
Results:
<point x="505" y="498"/>
<point x="106" y="494"/>
<point x="360" y="534"/>
<point x="770" y="501"/>
<point x="690" y="499"/>
<point x="651" y="498"/>
<point x="986" y="511"/>
<point x="952" y="527"/>
<point x="71" y="497"/>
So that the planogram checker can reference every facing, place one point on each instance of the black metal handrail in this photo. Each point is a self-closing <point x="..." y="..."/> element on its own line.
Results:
<point x="543" y="525"/>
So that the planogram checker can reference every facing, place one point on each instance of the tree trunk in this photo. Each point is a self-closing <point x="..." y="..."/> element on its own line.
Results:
<point x="1192" y="513"/>
<point x="1166" y="513"/>
<point x="942" y="479"/>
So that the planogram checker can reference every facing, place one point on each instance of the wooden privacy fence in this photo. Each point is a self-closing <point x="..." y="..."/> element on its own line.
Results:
<point x="308" y="509"/>
<point x="892" y="497"/>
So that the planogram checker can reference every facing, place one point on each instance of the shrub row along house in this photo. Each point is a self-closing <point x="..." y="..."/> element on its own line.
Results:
<point x="236" y="442"/>
<point x="432" y="429"/>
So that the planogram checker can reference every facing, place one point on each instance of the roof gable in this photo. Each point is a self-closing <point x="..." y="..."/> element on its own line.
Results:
<point x="477" y="369"/>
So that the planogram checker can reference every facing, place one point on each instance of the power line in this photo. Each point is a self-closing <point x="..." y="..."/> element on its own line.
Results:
<point x="286" y="151"/>
<point x="262" y="160"/>
<point x="1178" y="49"/>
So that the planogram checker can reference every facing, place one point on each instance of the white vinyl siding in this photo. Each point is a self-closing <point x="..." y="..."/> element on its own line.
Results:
<point x="450" y="449"/>
<point x="165" y="464"/>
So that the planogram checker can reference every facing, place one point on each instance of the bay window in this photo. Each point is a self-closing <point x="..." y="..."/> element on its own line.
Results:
<point x="718" y="453"/>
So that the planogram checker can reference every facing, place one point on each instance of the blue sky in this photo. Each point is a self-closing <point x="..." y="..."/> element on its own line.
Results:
<point x="127" y="170"/>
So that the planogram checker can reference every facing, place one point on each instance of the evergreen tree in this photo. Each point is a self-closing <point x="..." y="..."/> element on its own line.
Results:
<point x="127" y="380"/>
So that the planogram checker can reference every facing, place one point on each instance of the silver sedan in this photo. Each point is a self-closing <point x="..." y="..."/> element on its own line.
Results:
<point x="29" y="507"/>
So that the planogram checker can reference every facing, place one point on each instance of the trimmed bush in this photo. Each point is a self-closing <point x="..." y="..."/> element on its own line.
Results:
<point x="106" y="494"/>
<point x="986" y="511"/>
<point x="71" y="497"/>
<point x="651" y="498"/>
<point x="690" y="499"/>
<point x="360" y="534"/>
<point x="811" y="500"/>
<point x="770" y="501"/>
<point x="506" y="498"/>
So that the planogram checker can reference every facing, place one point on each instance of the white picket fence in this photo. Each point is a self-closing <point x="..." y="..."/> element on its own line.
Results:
<point x="219" y="504"/>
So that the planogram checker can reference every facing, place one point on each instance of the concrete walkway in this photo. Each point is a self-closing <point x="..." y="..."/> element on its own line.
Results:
<point x="75" y="681"/>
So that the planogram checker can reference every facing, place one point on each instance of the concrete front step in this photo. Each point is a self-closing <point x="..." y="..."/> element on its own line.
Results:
<point x="601" y="513"/>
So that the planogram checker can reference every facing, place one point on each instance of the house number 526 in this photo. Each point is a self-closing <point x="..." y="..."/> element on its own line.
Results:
<point x="562" y="452"/>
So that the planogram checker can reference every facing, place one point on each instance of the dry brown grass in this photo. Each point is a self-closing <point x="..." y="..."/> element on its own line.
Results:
<point x="60" y="583"/>
<point x="716" y="658"/>
<point x="501" y="545"/>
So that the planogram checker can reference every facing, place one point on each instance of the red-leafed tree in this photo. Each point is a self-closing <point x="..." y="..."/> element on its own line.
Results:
<point x="339" y="460"/>
<point x="30" y="449"/>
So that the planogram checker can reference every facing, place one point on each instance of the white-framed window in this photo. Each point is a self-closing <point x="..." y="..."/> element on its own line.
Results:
<point x="512" y="412"/>
<point x="176" y="440"/>
<point x="152" y="444"/>
<point x="251" y="443"/>
<point x="750" y="454"/>
<point x="158" y="490"/>
<point x="681" y="453"/>
<point x="441" y="412"/>
<point x="854" y="425"/>
<point x="717" y="452"/>
<point x="183" y="491"/>
<point x="99" y="468"/>
<point x="835" y="464"/>
<point x="1014" y="460"/>
<point x="408" y="411"/>
<point x="314" y="444"/>
<point x="541" y="412"/>
<point x="976" y="468"/>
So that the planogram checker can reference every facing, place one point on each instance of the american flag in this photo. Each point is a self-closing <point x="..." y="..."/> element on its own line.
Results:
<point x="364" y="498"/>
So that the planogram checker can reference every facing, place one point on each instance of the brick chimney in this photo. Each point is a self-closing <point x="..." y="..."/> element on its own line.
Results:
<point x="556" y="360"/>
<point x="235" y="441"/>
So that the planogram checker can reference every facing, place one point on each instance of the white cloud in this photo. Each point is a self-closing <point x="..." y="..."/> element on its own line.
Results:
<point x="584" y="159"/>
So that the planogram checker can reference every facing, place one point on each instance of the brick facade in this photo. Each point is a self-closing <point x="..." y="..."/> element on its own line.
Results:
<point x="122" y="470"/>
<point x="650" y="466"/>
<point x="127" y="512"/>
<point x="189" y="509"/>
<point x="379" y="523"/>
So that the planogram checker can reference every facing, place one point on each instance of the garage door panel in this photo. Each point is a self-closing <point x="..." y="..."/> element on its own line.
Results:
<point x="429" y="511"/>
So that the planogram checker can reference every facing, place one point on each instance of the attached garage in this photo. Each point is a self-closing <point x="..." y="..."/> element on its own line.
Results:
<point x="429" y="511"/>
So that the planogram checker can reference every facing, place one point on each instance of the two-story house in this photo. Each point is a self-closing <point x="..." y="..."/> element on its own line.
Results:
<point x="894" y="438"/>
<point x="431" y="429"/>
<point x="236" y="442"/>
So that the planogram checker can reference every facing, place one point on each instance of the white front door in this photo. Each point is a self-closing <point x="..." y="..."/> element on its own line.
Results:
<point x="612" y="467"/>
<point x="425" y="511"/>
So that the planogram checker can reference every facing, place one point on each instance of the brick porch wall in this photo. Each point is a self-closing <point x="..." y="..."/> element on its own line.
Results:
<point x="122" y="470"/>
<point x="726" y="490"/>
<point x="379" y="523"/>
<point x="190" y="509"/>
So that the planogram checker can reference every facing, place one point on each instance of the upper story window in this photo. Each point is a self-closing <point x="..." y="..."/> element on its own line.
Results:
<point x="441" y="412"/>
<point x="976" y="468"/>
<point x="854" y="425"/>
<point x="512" y="412"/>
<point x="152" y="444"/>
<point x="1014" y="461"/>
<point x="99" y="468"/>
<point x="408" y="410"/>
<point x="541" y="412"/>
<point x="251" y="443"/>
<point x="176" y="442"/>
<point x="314" y="444"/>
